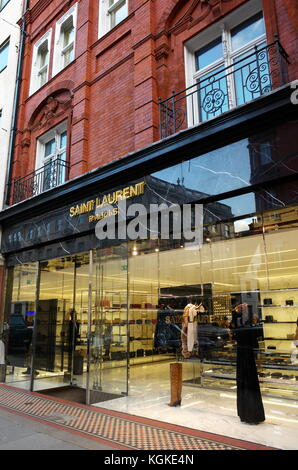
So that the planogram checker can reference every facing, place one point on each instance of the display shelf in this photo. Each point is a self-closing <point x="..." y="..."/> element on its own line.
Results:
<point x="278" y="306"/>
<point x="279" y="319"/>
<point x="278" y="339"/>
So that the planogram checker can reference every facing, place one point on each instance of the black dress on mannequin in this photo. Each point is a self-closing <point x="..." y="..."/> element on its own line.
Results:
<point x="249" y="400"/>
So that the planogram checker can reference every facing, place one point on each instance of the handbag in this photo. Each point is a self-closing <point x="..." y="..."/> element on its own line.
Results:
<point x="201" y="308"/>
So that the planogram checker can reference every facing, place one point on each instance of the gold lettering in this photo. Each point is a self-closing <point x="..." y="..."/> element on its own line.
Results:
<point x="118" y="195"/>
<point x="108" y="199"/>
<point x="133" y="191"/>
<point x="126" y="193"/>
<point x="104" y="201"/>
<point x="111" y="198"/>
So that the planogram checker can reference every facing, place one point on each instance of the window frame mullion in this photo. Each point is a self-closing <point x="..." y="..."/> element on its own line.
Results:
<point x="227" y="48"/>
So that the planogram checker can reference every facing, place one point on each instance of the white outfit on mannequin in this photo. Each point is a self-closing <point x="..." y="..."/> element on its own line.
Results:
<point x="192" y="328"/>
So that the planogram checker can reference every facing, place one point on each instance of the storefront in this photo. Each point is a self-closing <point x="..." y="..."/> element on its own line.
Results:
<point x="104" y="317"/>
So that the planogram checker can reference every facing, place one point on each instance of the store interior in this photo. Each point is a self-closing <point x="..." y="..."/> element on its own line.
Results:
<point x="252" y="261"/>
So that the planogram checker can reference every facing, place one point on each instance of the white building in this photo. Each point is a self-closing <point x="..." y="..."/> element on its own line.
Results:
<point x="10" y="14"/>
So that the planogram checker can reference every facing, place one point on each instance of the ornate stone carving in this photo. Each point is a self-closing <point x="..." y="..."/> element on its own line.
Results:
<point x="182" y="17"/>
<point x="53" y="107"/>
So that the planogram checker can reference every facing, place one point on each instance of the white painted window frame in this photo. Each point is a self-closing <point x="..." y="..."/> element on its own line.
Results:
<point x="54" y="133"/>
<point x="59" y="51"/>
<point x="105" y="12"/>
<point x="220" y="29"/>
<point x="35" y="69"/>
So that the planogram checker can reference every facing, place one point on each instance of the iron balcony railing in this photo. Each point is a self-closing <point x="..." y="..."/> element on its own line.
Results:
<point x="54" y="173"/>
<point x="249" y="77"/>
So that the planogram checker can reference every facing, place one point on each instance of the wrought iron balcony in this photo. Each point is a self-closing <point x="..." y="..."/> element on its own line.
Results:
<point x="253" y="75"/>
<point x="54" y="173"/>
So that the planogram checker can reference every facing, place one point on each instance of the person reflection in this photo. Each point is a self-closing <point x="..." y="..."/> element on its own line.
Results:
<point x="70" y="334"/>
<point x="249" y="400"/>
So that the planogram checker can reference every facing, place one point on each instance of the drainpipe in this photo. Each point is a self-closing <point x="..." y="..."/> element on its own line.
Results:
<point x="15" y="105"/>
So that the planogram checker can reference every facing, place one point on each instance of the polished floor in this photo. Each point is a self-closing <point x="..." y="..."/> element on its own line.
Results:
<point x="202" y="409"/>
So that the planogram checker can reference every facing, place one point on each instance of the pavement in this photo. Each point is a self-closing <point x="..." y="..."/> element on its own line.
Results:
<point x="20" y="433"/>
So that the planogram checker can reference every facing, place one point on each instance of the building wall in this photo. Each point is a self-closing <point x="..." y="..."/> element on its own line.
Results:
<point x="9" y="16"/>
<point x="9" y="28"/>
<point x="109" y="94"/>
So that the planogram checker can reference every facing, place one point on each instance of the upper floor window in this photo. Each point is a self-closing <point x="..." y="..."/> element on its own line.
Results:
<point x="112" y="12"/>
<point x="227" y="64"/>
<point x="3" y="3"/>
<point x="51" y="157"/>
<point x="4" y="48"/>
<point x="65" y="33"/>
<point x="40" y="63"/>
<point x="224" y="67"/>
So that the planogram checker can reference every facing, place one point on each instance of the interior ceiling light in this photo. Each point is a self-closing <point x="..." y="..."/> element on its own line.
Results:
<point x="241" y="257"/>
<point x="257" y="264"/>
<point x="265" y="270"/>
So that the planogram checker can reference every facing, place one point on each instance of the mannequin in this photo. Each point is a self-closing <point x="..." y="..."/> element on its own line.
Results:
<point x="249" y="400"/>
<point x="189" y="336"/>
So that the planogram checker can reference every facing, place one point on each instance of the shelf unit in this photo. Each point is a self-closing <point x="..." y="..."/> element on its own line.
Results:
<point x="279" y="319"/>
<point x="280" y="380"/>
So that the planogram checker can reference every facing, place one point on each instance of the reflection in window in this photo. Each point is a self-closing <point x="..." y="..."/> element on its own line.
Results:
<point x="248" y="31"/>
<point x="4" y="48"/>
<point x="257" y="159"/>
<point x="3" y="3"/>
<point x="20" y="316"/>
<point x="209" y="54"/>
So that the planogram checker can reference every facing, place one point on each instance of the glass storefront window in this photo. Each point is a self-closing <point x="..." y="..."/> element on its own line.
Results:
<point x="133" y="304"/>
<point x="250" y="161"/>
<point x="109" y="334"/>
<point x="110" y="321"/>
<point x="20" y="317"/>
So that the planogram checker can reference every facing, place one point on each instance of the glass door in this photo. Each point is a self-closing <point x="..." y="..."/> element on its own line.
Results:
<point x="19" y="315"/>
<point x="60" y="336"/>
<point x="56" y="327"/>
<point x="109" y="325"/>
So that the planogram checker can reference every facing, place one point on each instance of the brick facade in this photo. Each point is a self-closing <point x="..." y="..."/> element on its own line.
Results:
<point x="109" y="94"/>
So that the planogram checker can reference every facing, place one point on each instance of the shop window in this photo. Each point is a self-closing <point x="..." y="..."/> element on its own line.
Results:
<point x="40" y="63"/>
<point x="59" y="225"/>
<point x="51" y="158"/>
<point x="265" y="153"/>
<point x="64" y="52"/>
<point x="31" y="234"/>
<point x="223" y="62"/>
<point x="39" y="231"/>
<point x="4" y="48"/>
<point x="3" y="3"/>
<point x="48" y="227"/>
<point x="112" y="12"/>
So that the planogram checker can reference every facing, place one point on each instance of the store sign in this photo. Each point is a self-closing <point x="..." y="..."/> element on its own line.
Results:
<point x="110" y="199"/>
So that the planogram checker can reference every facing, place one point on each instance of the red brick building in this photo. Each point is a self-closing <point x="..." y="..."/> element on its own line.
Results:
<point x="108" y="93"/>
<point x="153" y="101"/>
